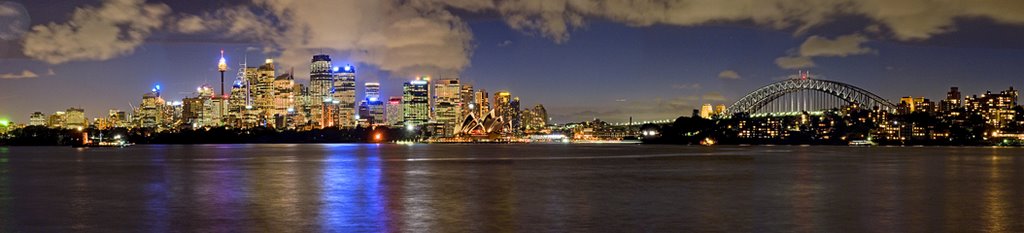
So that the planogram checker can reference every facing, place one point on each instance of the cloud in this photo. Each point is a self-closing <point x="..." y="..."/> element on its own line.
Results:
<point x="842" y="46"/>
<point x="505" y="43"/>
<point x="728" y="74"/>
<point x="113" y="29"/>
<point x="713" y="97"/>
<point x="415" y="36"/>
<point x="23" y="74"/>
<point x="817" y="46"/>
<point x="794" y="62"/>
<point x="691" y="86"/>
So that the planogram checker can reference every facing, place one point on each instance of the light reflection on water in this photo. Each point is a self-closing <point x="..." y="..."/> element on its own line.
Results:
<point x="510" y="188"/>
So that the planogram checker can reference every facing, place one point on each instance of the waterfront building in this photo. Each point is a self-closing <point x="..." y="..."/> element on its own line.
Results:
<point x="997" y="108"/>
<point x="152" y="112"/>
<point x="117" y="118"/>
<point x="321" y="89"/>
<point x="394" y="111"/>
<point x="37" y="119"/>
<point x="345" y="95"/>
<point x="447" y="98"/>
<point x="706" y="111"/>
<point x="56" y="120"/>
<point x="284" y="101"/>
<point x="416" y="102"/>
<point x="481" y="103"/>
<point x="263" y="93"/>
<point x="75" y="119"/>
<point x="535" y="120"/>
<point x="952" y="101"/>
<point x="374" y="113"/>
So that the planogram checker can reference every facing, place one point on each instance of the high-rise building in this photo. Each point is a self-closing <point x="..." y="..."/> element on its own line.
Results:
<point x="997" y="108"/>
<point x="117" y="118"/>
<point x="447" y="105"/>
<point x="468" y="102"/>
<point x="719" y="109"/>
<point x="284" y="101"/>
<point x="416" y="102"/>
<point x="952" y="101"/>
<point x="37" y="119"/>
<point x="535" y="119"/>
<point x="706" y="111"/>
<point x="75" y="119"/>
<point x="152" y="113"/>
<point x="263" y="93"/>
<point x="56" y="120"/>
<point x="517" y="116"/>
<point x="345" y="95"/>
<point x="374" y="105"/>
<point x="321" y="89"/>
<point x="503" y="109"/>
<point x="480" y="104"/>
<point x="394" y="111"/>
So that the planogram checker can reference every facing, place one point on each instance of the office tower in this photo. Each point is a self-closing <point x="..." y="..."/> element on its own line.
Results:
<point x="117" y="118"/>
<point x="75" y="119"/>
<point x="345" y="95"/>
<point x="394" y="111"/>
<point x="483" y="107"/>
<point x="535" y="119"/>
<point x="151" y="113"/>
<point x="952" y="101"/>
<point x="56" y="120"/>
<point x="284" y="101"/>
<point x="415" y="102"/>
<point x="37" y="119"/>
<point x="321" y="89"/>
<point x="517" y="116"/>
<point x="503" y="109"/>
<point x="263" y="93"/>
<point x="719" y="109"/>
<point x="706" y="111"/>
<point x="447" y="105"/>
<point x="374" y="104"/>
<point x="467" y="99"/>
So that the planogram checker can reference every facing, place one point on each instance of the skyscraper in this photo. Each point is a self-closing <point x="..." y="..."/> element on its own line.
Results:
<point x="321" y="88"/>
<point x="345" y="95"/>
<point x="706" y="111"/>
<point x="37" y="119"/>
<point x="75" y="119"/>
<point x="263" y="96"/>
<point x="447" y="104"/>
<point x="503" y="109"/>
<point x="284" y="101"/>
<point x="374" y="105"/>
<point x="394" y="111"/>
<point x="416" y="102"/>
<point x="481" y="104"/>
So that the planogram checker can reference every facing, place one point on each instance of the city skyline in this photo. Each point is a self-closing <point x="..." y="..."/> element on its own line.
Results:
<point x="647" y="72"/>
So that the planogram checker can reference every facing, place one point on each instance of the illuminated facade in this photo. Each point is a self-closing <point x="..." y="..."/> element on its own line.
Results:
<point x="447" y="98"/>
<point x="480" y="103"/>
<point x="37" y="119"/>
<point x="416" y="102"/>
<point x="394" y="111"/>
<point x="75" y="119"/>
<point x="56" y="120"/>
<point x="284" y="102"/>
<point x="345" y="95"/>
<point x="706" y="111"/>
<point x="263" y="93"/>
<point x="321" y="88"/>
<point x="996" y="108"/>
<point x="374" y="105"/>
<point x="535" y="120"/>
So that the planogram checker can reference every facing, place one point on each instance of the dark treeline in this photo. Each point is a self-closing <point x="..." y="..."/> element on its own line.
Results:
<point x="966" y="129"/>
<point x="43" y="136"/>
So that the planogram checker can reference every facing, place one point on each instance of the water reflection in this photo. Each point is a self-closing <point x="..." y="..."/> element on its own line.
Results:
<point x="376" y="188"/>
<point x="353" y="197"/>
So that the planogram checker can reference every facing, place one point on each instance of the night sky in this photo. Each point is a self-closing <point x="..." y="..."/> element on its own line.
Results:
<point x="581" y="59"/>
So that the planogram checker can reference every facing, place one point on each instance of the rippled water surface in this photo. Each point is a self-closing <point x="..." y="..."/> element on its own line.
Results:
<point x="510" y="188"/>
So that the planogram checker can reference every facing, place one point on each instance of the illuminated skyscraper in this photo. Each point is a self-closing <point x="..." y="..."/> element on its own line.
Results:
<point x="447" y="105"/>
<point x="481" y="104"/>
<point x="394" y="111"/>
<point x="75" y="119"/>
<point x="416" y="102"/>
<point x="467" y="100"/>
<point x="535" y="119"/>
<point x="151" y="113"/>
<point x="719" y="109"/>
<point x="374" y="104"/>
<point x="37" y="119"/>
<point x="321" y="88"/>
<point x="263" y="95"/>
<point x="284" y="101"/>
<point x="503" y="109"/>
<point x="345" y="95"/>
<point x="56" y="120"/>
<point x="706" y="111"/>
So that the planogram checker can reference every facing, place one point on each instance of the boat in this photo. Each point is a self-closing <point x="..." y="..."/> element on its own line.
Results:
<point x="862" y="143"/>
<point x="116" y="141"/>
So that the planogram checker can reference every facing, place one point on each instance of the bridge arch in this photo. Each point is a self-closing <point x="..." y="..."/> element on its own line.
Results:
<point x="756" y="101"/>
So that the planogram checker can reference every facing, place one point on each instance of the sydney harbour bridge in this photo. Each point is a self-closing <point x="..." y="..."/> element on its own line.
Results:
<point x="804" y="94"/>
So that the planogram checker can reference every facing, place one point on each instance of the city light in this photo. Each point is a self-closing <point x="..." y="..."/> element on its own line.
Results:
<point x="335" y="69"/>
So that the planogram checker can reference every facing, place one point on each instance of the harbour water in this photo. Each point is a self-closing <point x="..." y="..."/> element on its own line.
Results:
<point x="510" y="188"/>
